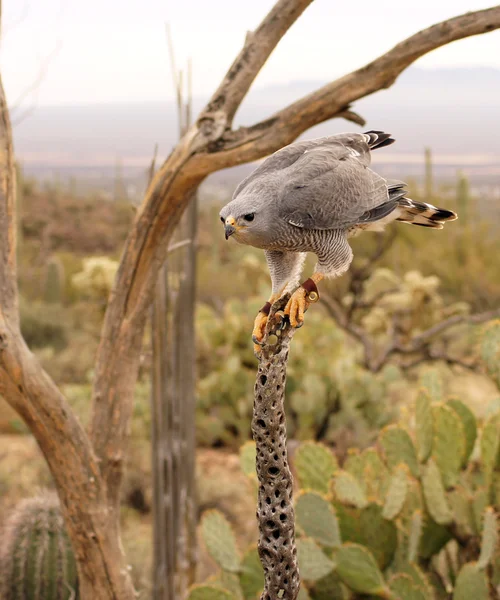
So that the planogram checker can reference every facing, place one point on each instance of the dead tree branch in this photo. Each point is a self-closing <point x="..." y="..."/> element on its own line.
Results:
<point x="375" y="359"/>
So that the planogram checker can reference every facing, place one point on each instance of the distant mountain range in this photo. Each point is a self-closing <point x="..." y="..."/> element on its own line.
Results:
<point x="454" y="111"/>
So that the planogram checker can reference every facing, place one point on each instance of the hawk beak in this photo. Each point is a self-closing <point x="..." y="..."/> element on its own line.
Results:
<point x="230" y="227"/>
<point x="229" y="230"/>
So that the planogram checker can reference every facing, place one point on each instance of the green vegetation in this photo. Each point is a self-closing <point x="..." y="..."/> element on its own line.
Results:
<point x="415" y="517"/>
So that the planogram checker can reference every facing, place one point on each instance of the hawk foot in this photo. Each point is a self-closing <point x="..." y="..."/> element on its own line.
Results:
<point x="296" y="307"/>
<point x="300" y="301"/>
<point x="259" y="326"/>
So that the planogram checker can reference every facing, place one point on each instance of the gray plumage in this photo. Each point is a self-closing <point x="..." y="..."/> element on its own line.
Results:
<point x="312" y="196"/>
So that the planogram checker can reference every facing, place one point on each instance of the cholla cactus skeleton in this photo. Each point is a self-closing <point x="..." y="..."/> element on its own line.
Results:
<point x="275" y="512"/>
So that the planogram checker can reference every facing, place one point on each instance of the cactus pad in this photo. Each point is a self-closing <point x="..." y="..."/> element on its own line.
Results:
<point x="314" y="564"/>
<point x="348" y="490"/>
<point x="489" y="538"/>
<point x="330" y="588"/>
<point x="251" y="574"/>
<point x="219" y="540"/>
<point x="490" y="446"/>
<point x="368" y="527"/>
<point x="449" y="443"/>
<point x="469" y="424"/>
<point x="359" y="570"/>
<point x="490" y="349"/>
<point x="471" y="584"/>
<point x="403" y="588"/>
<point x="435" y="497"/>
<point x="396" y="494"/>
<point x="317" y="519"/>
<point x="398" y="447"/>
<point x="247" y="459"/>
<point x="424" y="425"/>
<point x="315" y="466"/>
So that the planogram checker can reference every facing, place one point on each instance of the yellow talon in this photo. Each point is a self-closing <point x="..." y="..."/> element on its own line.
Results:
<point x="258" y="330"/>
<point x="296" y="307"/>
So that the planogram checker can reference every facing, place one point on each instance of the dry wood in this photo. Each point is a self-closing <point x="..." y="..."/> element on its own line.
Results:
<point x="275" y="513"/>
<point x="173" y="396"/>
<point x="88" y="476"/>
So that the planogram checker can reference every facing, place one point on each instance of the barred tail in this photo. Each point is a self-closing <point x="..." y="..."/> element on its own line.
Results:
<point x="423" y="214"/>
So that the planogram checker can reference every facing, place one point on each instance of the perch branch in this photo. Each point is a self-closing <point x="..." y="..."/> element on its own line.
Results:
<point x="275" y="513"/>
<point x="208" y="146"/>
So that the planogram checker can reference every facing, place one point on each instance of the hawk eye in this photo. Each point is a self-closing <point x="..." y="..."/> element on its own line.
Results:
<point x="222" y="219"/>
<point x="249" y="217"/>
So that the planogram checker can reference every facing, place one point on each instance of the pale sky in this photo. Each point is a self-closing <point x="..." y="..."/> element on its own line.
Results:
<point x="115" y="50"/>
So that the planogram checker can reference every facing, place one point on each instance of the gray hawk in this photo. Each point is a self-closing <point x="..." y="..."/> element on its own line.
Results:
<point x="312" y="196"/>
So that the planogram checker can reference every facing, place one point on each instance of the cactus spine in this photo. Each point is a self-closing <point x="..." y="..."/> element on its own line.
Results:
<point x="36" y="558"/>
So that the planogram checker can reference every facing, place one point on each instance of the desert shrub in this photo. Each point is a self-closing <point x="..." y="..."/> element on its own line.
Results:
<point x="43" y="325"/>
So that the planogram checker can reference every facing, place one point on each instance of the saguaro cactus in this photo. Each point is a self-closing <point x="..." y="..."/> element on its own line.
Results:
<point x="54" y="281"/>
<point x="36" y="558"/>
<point x="463" y="198"/>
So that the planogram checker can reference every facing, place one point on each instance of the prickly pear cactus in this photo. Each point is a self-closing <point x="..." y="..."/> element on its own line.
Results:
<point x="413" y="518"/>
<point x="384" y="524"/>
<point x="36" y="558"/>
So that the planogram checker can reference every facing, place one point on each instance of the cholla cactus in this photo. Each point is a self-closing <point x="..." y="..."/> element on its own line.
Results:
<point x="413" y="301"/>
<point x="96" y="279"/>
<point x="36" y="558"/>
<point x="463" y="199"/>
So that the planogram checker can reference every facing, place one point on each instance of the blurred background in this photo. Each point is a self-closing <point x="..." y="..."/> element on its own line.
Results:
<point x="91" y="95"/>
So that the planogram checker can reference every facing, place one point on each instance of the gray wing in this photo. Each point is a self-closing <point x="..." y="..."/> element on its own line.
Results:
<point x="330" y="187"/>
<point x="284" y="159"/>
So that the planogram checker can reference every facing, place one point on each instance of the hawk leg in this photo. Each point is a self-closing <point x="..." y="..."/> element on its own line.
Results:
<point x="285" y="269"/>
<point x="301" y="299"/>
